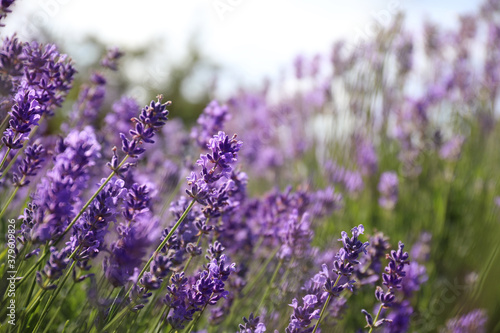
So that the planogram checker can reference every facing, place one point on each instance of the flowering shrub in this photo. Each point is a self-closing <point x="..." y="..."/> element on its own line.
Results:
<point x="126" y="220"/>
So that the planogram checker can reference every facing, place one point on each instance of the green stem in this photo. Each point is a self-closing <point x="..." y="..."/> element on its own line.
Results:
<point x="376" y="318"/>
<point x="4" y="209"/>
<point x="249" y="287"/>
<point x="68" y="228"/>
<point x="269" y="286"/>
<point x="162" y="244"/>
<point x="159" y="323"/>
<point x="323" y="310"/>
<point x="3" y="161"/>
<point x="191" y="257"/>
<point x="53" y="297"/>
<point x="49" y="325"/>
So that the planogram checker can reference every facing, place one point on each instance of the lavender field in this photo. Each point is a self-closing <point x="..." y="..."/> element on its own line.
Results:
<point x="358" y="193"/>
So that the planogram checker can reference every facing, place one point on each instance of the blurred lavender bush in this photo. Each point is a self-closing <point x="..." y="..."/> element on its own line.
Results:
<point x="127" y="219"/>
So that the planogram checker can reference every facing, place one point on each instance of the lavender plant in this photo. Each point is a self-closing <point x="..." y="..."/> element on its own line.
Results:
<point x="104" y="235"/>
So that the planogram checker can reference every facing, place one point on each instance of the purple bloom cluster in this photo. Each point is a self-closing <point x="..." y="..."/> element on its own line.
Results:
<point x="393" y="280"/>
<point x="474" y="321"/>
<point x="214" y="165"/>
<point x="352" y="181"/>
<point x="366" y="156"/>
<point x="150" y="120"/>
<point x="303" y="316"/>
<point x="90" y="229"/>
<point x="4" y="9"/>
<point x="388" y="189"/>
<point x="134" y="237"/>
<point x="210" y="122"/>
<point x="321" y="286"/>
<point x="184" y="299"/>
<point x="29" y="165"/>
<point x="59" y="191"/>
<point x="252" y="325"/>
<point x="25" y="115"/>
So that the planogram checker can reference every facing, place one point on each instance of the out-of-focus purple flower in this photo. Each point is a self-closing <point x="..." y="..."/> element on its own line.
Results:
<point x="474" y="321"/>
<point x="352" y="181"/>
<point x="210" y="122"/>
<point x="399" y="318"/>
<point x="111" y="58"/>
<point x="4" y="9"/>
<point x="366" y="156"/>
<point x="296" y="236"/>
<point x="252" y="325"/>
<point x="59" y="191"/>
<point x="421" y="250"/>
<point x="325" y="202"/>
<point x="452" y="149"/>
<point x="127" y="253"/>
<point x="388" y="189"/>
<point x="29" y="165"/>
<point x="11" y="69"/>
<point x="90" y="99"/>
<point x="119" y="120"/>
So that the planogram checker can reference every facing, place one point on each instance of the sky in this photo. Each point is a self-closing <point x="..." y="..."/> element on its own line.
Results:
<point x="251" y="39"/>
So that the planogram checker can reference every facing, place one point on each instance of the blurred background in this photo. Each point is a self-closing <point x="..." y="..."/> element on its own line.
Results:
<point x="193" y="51"/>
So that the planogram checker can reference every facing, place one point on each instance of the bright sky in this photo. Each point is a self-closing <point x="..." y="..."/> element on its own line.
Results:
<point x="251" y="38"/>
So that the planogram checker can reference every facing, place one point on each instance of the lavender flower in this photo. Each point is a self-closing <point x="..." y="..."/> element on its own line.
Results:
<point x="111" y="58"/>
<point x="296" y="237"/>
<point x="392" y="279"/>
<point x="252" y="325"/>
<point x="29" y="165"/>
<point x="211" y="121"/>
<point x="452" y="149"/>
<point x="388" y="188"/>
<point x="366" y="156"/>
<point x="4" y="9"/>
<point x="90" y="229"/>
<point x="59" y="191"/>
<point x="25" y="115"/>
<point x="303" y="316"/>
<point x="474" y="321"/>
<point x="150" y="120"/>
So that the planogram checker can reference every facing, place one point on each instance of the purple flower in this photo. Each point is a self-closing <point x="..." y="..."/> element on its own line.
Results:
<point x="388" y="189"/>
<point x="252" y="325"/>
<point x="29" y="165"/>
<point x="90" y="229"/>
<point x="303" y="316"/>
<point x="474" y="321"/>
<point x="111" y="58"/>
<point x="214" y="166"/>
<point x="151" y="119"/>
<point x="210" y="122"/>
<point x="452" y="149"/>
<point x="366" y="156"/>
<point x="4" y="9"/>
<point x="296" y="236"/>
<point x="59" y="191"/>
<point x="25" y="115"/>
